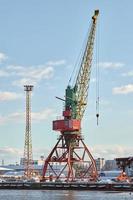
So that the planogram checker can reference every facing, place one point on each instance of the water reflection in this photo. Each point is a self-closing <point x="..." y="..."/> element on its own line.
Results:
<point x="63" y="195"/>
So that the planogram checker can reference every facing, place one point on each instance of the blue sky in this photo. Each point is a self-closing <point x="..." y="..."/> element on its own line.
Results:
<point x="39" y="44"/>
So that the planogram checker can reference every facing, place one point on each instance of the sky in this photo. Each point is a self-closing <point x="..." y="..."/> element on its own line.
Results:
<point x="40" y="42"/>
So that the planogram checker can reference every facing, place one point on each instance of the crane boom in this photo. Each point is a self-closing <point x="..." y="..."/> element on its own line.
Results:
<point x="83" y="78"/>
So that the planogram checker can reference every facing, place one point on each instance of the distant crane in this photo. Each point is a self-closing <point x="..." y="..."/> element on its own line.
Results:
<point x="28" y="160"/>
<point x="70" y="158"/>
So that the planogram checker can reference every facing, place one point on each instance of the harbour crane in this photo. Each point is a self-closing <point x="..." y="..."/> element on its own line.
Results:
<point x="70" y="159"/>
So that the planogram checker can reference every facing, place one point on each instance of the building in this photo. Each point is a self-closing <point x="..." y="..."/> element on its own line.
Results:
<point x="35" y="162"/>
<point x="110" y="165"/>
<point x="100" y="162"/>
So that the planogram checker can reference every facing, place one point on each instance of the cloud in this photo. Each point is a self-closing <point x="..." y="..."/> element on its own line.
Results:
<point x="33" y="74"/>
<point x="18" y="117"/>
<point x="128" y="74"/>
<point x="111" y="65"/>
<point x="24" y="81"/>
<point x="15" y="68"/>
<point x="10" y="154"/>
<point x="56" y="63"/>
<point x="126" y="89"/>
<point x="30" y="75"/>
<point x="3" y="73"/>
<point x="3" y="57"/>
<point x="43" y="115"/>
<point x="111" y="151"/>
<point x="10" y="96"/>
<point x="9" y="151"/>
<point x="37" y="152"/>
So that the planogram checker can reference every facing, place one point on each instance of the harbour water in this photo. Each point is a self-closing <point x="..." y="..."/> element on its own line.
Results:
<point x="63" y="195"/>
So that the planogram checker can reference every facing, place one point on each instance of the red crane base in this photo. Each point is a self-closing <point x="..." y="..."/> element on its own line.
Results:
<point x="70" y="160"/>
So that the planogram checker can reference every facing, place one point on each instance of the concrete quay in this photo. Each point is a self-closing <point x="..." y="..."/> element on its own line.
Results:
<point x="67" y="186"/>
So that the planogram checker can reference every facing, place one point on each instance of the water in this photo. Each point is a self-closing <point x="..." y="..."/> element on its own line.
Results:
<point x="62" y="195"/>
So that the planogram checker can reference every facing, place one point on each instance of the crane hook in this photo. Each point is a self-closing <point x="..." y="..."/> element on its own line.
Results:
<point x="97" y="115"/>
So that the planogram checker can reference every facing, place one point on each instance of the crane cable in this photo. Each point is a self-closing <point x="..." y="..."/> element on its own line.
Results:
<point x="79" y="59"/>
<point x="97" y="76"/>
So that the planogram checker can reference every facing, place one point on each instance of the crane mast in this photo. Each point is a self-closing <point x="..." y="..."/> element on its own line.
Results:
<point x="66" y="151"/>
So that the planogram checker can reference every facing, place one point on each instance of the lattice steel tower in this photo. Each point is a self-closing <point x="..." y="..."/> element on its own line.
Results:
<point x="28" y="159"/>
